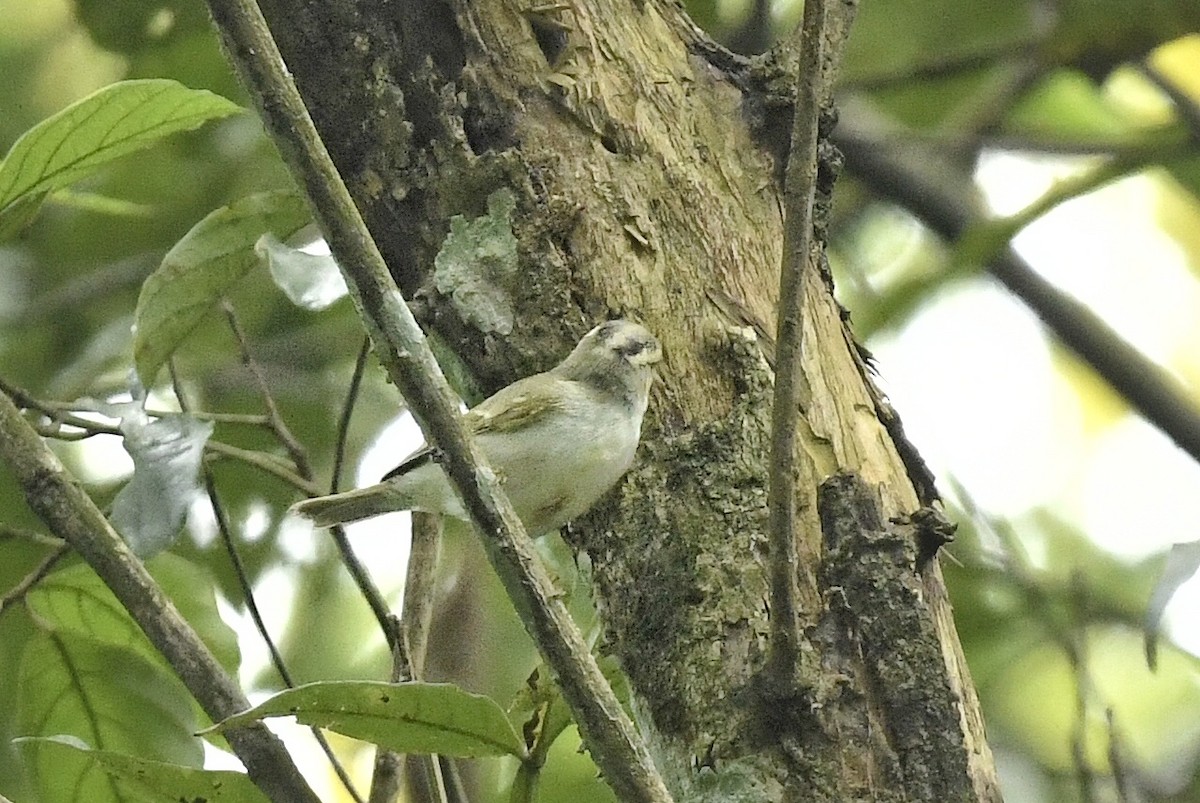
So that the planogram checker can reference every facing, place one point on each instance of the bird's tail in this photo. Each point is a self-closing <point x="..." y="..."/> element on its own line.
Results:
<point x="329" y="511"/>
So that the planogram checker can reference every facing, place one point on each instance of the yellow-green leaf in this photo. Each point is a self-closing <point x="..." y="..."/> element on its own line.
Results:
<point x="201" y="268"/>
<point x="114" y="121"/>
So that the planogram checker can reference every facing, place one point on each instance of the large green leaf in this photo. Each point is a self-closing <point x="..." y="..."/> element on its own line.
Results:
<point x="109" y="697"/>
<point x="201" y="268"/>
<point x="115" y="121"/>
<point x="76" y="600"/>
<point x="406" y="717"/>
<point x="152" y="781"/>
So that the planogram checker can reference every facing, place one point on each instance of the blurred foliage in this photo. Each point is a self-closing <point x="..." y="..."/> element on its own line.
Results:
<point x="1050" y="622"/>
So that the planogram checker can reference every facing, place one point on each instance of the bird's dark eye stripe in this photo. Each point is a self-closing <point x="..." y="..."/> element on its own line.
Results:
<point x="633" y="347"/>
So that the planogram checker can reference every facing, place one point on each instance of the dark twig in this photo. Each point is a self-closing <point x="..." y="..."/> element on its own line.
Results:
<point x="275" y="421"/>
<point x="225" y="529"/>
<point x="18" y="592"/>
<point x="401" y="347"/>
<point x="1072" y="644"/>
<point x="1116" y="759"/>
<point x="799" y="193"/>
<point x="8" y="532"/>
<point x="1185" y="105"/>
<point x="343" y="426"/>
<point x="60" y="414"/>
<point x="922" y="183"/>
<point x="358" y="572"/>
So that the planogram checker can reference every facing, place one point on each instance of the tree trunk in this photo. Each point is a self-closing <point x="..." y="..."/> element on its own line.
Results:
<point x="647" y="175"/>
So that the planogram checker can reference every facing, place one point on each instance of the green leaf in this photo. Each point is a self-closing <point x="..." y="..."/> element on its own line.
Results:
<point x="115" y="121"/>
<point x="17" y="216"/>
<point x="75" y="600"/>
<point x="152" y="781"/>
<point x="111" y="698"/>
<point x="406" y="717"/>
<point x="201" y="268"/>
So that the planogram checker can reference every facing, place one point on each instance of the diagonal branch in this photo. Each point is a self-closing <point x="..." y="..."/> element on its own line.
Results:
<point x="404" y="353"/>
<point x="71" y="514"/>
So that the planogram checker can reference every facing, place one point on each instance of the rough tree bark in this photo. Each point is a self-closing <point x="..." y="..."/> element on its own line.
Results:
<point x="646" y="165"/>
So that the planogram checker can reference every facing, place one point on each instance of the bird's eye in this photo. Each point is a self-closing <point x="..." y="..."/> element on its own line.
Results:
<point x="632" y="348"/>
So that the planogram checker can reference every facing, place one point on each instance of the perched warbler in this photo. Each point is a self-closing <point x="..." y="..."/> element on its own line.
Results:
<point x="557" y="440"/>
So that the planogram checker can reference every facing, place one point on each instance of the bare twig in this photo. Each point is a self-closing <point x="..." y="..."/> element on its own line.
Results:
<point x="265" y="461"/>
<point x="611" y="736"/>
<point x="7" y="531"/>
<point x="358" y="572"/>
<point x="922" y="183"/>
<point x="60" y="501"/>
<point x="419" y="585"/>
<point x="18" y="592"/>
<point x="60" y="414"/>
<point x="275" y="421"/>
<point x="1185" y="104"/>
<point x="343" y="427"/>
<point x="1073" y="645"/>
<point x="225" y="529"/>
<point x="385" y="777"/>
<point x="799" y="192"/>
<point x="1116" y="758"/>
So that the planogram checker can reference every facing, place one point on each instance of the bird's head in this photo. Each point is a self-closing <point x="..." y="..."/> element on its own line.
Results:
<point x="616" y="354"/>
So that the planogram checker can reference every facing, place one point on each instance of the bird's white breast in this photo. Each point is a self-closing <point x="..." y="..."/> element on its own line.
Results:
<point x="554" y="470"/>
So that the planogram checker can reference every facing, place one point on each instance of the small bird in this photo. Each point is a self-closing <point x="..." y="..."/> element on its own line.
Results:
<point x="557" y="440"/>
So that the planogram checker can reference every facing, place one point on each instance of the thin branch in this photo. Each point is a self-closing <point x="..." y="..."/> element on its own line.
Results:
<point x="8" y="532"/>
<point x="61" y="502"/>
<point x="942" y="198"/>
<point x="611" y="736"/>
<point x="1073" y="646"/>
<point x="385" y="777"/>
<point x="1116" y="759"/>
<point x="60" y="415"/>
<point x="358" y="572"/>
<point x="1142" y="146"/>
<point x="279" y="428"/>
<point x="18" y="592"/>
<point x="419" y="584"/>
<point x="245" y="419"/>
<point x="275" y="421"/>
<point x="265" y="461"/>
<point x="225" y="529"/>
<point x="800" y="184"/>
<point x="343" y="427"/>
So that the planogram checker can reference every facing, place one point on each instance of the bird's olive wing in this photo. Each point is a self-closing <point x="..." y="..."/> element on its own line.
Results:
<point x="520" y="405"/>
